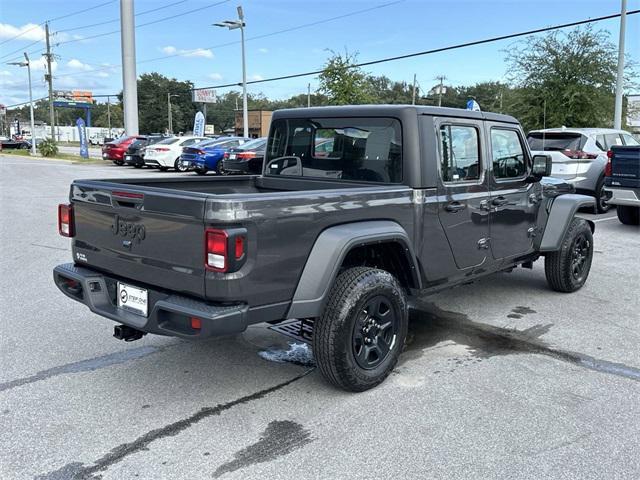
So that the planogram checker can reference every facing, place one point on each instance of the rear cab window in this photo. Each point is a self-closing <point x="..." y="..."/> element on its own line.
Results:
<point x="360" y="148"/>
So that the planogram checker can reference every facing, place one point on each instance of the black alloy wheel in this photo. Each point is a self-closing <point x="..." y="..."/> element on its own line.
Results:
<point x="375" y="332"/>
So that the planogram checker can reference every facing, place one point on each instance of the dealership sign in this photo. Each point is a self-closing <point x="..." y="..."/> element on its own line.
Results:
<point x="204" y="95"/>
<point x="198" y="125"/>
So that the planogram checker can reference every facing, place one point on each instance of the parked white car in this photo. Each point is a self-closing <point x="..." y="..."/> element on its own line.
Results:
<point x="166" y="153"/>
<point x="579" y="156"/>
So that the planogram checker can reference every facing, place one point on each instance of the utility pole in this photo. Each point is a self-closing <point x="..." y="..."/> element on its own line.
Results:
<point x="109" y="115"/>
<point x="308" y="95"/>
<point x="169" y="110"/>
<point x="617" y="116"/>
<point x="442" y="79"/>
<point x="129" y="77"/>
<point x="49" y="78"/>
<point x="413" y="97"/>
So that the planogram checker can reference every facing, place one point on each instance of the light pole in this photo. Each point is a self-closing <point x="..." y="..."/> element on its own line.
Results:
<point x="169" y="95"/>
<point x="27" y="64"/>
<point x="617" y="116"/>
<point x="232" y="25"/>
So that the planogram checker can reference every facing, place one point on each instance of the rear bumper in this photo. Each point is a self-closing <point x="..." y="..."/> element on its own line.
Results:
<point x="133" y="159"/>
<point x="623" y="196"/>
<point x="169" y="313"/>
<point x="235" y="166"/>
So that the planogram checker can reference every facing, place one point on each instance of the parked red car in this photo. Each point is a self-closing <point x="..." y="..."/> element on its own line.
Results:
<point x="115" y="150"/>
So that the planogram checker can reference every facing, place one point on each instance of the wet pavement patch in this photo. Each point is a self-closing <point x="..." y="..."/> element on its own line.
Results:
<point x="519" y="311"/>
<point x="84" y="366"/>
<point x="429" y="325"/>
<point x="296" y="353"/>
<point x="279" y="438"/>
<point x="77" y="470"/>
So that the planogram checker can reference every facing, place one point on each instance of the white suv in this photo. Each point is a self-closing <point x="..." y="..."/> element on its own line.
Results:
<point x="166" y="153"/>
<point x="579" y="156"/>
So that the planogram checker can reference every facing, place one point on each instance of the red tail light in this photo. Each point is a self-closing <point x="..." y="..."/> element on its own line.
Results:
<point x="246" y="155"/>
<point x="225" y="249"/>
<point x="161" y="149"/>
<point x="65" y="220"/>
<point x="579" y="154"/>
<point x="199" y="152"/>
<point x="225" y="155"/>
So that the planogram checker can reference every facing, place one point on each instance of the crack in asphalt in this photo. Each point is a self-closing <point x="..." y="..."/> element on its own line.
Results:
<point x="431" y="325"/>
<point x="88" y="365"/>
<point x="79" y="471"/>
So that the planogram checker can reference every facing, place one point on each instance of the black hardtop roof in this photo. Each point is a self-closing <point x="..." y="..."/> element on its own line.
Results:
<point x="389" y="111"/>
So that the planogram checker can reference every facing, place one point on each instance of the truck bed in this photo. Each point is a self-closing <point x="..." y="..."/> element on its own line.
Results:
<point x="281" y="215"/>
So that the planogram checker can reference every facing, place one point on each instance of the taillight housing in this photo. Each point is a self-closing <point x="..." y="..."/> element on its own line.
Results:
<point x="579" y="154"/>
<point x="225" y="250"/>
<point x="246" y="155"/>
<point x="66" y="226"/>
<point x="608" y="166"/>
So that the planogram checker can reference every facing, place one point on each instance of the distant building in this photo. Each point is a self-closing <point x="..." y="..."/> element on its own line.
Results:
<point x="633" y="112"/>
<point x="259" y="121"/>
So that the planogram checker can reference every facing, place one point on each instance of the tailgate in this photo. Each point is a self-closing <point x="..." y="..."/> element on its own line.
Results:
<point x="145" y="235"/>
<point x="625" y="166"/>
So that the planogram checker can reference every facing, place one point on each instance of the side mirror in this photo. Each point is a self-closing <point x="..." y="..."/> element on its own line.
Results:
<point x="541" y="166"/>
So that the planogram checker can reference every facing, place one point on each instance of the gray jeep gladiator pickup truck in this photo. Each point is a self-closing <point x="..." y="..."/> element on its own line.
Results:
<point x="359" y="210"/>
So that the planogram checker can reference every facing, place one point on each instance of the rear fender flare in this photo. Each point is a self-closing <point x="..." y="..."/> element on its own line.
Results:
<point x="562" y="211"/>
<point x="329" y="251"/>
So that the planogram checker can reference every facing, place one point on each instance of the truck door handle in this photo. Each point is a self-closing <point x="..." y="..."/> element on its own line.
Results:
<point x="455" y="207"/>
<point x="499" y="201"/>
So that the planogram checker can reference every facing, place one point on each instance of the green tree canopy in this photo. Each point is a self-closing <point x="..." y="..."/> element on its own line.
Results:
<point x="342" y="83"/>
<point x="564" y="78"/>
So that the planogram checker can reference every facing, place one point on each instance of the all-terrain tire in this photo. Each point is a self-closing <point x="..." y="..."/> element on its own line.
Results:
<point x="629" y="215"/>
<point x="568" y="268"/>
<point x="335" y="330"/>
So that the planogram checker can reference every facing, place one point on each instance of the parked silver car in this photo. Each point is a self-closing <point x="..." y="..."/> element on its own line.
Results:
<point x="579" y="156"/>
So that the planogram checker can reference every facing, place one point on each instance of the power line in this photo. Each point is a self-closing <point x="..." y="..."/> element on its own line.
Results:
<point x="81" y="27"/>
<point x="57" y="18"/>
<point x="153" y="22"/>
<point x="435" y="50"/>
<point x="298" y="27"/>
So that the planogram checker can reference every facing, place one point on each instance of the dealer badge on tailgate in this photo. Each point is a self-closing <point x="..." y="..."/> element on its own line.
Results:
<point x="133" y="299"/>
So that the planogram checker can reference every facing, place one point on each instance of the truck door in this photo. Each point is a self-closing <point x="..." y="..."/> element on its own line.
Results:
<point x="514" y="201"/>
<point x="463" y="190"/>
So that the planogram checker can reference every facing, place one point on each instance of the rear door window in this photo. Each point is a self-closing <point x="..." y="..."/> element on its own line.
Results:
<point x="460" y="157"/>
<point x="612" y="139"/>
<point x="507" y="153"/>
<point x="629" y="140"/>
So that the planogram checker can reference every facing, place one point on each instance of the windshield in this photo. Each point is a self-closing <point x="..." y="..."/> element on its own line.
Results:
<point x="362" y="149"/>
<point x="256" y="144"/>
<point x="551" y="141"/>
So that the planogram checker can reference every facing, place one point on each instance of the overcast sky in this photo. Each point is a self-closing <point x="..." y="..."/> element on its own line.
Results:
<point x="181" y="42"/>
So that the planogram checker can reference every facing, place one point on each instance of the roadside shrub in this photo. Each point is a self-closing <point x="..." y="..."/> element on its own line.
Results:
<point x="48" y="147"/>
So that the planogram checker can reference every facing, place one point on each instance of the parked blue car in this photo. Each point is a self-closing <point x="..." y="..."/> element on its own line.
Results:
<point x="207" y="156"/>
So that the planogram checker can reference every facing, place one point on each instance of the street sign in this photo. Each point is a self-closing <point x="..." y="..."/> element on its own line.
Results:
<point x="204" y="95"/>
<point x="198" y="125"/>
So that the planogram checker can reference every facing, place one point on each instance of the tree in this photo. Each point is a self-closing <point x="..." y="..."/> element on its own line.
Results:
<point x="564" y="79"/>
<point x="342" y="82"/>
<point x="153" y="108"/>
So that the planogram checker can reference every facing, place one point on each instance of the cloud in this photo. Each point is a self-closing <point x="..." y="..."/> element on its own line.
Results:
<point x="263" y="50"/>
<point x="214" y="76"/>
<point x="78" y="65"/>
<point x="255" y="77"/>
<point x="30" y="31"/>
<point x="5" y="73"/>
<point x="196" y="52"/>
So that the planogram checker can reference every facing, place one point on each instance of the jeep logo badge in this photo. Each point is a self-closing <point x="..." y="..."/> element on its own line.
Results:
<point x="126" y="229"/>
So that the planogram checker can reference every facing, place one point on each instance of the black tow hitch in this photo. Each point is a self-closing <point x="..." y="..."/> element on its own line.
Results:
<point x="128" y="334"/>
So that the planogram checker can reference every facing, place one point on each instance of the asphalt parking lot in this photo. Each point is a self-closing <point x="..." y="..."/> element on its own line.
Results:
<point x="502" y="378"/>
